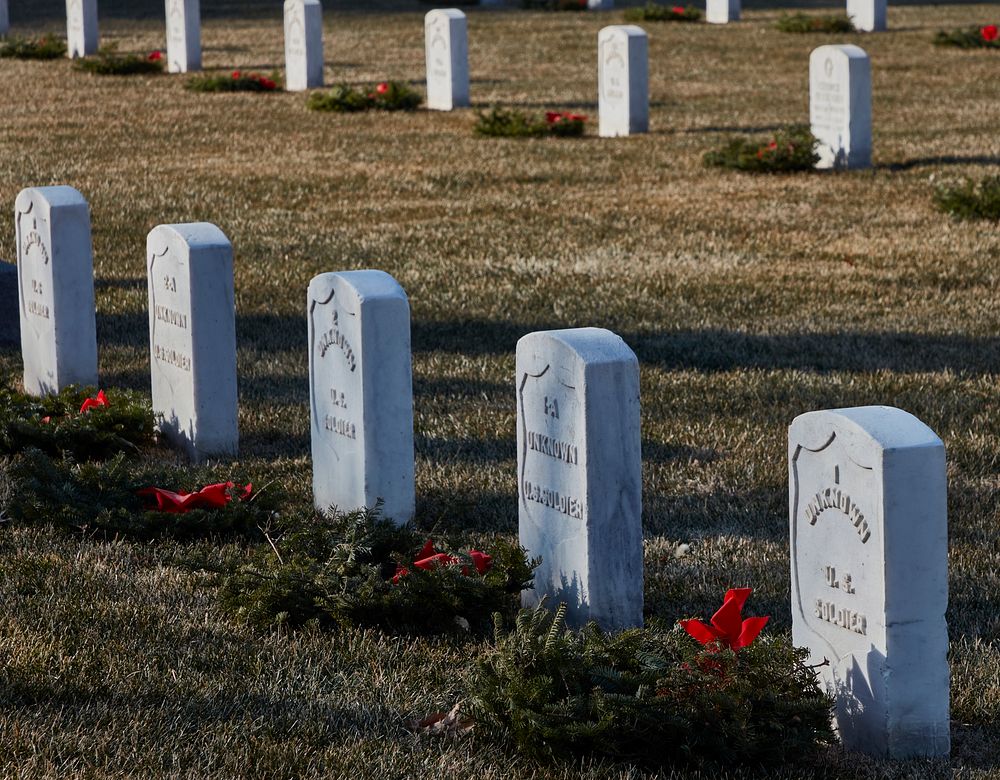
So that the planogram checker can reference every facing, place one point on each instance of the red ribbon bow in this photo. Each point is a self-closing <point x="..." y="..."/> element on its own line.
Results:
<point x="990" y="33"/>
<point x="209" y="497"/>
<point x="93" y="403"/>
<point x="428" y="559"/>
<point x="728" y="628"/>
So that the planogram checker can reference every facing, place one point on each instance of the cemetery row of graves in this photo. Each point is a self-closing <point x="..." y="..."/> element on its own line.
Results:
<point x="868" y="510"/>
<point x="158" y="501"/>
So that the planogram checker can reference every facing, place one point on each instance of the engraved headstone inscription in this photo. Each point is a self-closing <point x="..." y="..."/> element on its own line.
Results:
<point x="361" y="393"/>
<point x="869" y="565"/>
<point x="447" y="49"/>
<point x="623" y="80"/>
<point x="840" y="105"/>
<point x="303" y="45"/>
<point x="81" y="28"/>
<point x="192" y="338"/>
<point x="868" y="15"/>
<point x="55" y="275"/>
<point x="722" y="11"/>
<point x="579" y="473"/>
<point x="183" y="35"/>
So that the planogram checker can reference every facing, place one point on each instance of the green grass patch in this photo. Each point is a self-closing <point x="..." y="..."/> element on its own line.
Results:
<point x="654" y="12"/>
<point x="970" y="199"/>
<point x="103" y="498"/>
<point x="789" y="150"/>
<point x="650" y="696"/>
<point x="237" y="81"/>
<point x="969" y="38"/>
<point x="110" y="62"/>
<point x="514" y="123"/>
<point x="385" y="96"/>
<point x="359" y="569"/>
<point x="44" y="47"/>
<point x="808" y="23"/>
<point x="56" y="425"/>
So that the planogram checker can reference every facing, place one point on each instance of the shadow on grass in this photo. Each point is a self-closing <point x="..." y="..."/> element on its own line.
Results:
<point x="746" y="130"/>
<point x="447" y="510"/>
<point x="724" y="350"/>
<point x="920" y="162"/>
<point x="469" y="449"/>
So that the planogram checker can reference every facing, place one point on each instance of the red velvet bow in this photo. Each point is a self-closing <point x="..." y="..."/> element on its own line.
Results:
<point x="209" y="497"/>
<point x="93" y="403"/>
<point x="728" y="628"/>
<point x="428" y="559"/>
<point x="990" y="33"/>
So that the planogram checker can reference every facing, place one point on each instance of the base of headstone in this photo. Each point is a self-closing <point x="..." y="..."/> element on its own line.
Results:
<point x="10" y="327"/>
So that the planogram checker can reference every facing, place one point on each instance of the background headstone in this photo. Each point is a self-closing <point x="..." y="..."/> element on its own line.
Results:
<point x="81" y="28"/>
<point x="361" y="393"/>
<point x="4" y="18"/>
<point x="869" y="554"/>
<point x="10" y="327"/>
<point x="600" y="5"/>
<point x="722" y="11"/>
<point x="579" y="467"/>
<point x="55" y="271"/>
<point x="623" y="80"/>
<point x="868" y="15"/>
<point x="192" y="338"/>
<point x="303" y="45"/>
<point x="446" y="45"/>
<point x="840" y="105"/>
<point x="183" y="35"/>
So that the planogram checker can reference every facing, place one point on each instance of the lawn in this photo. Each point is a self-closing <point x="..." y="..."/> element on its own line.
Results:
<point x="748" y="301"/>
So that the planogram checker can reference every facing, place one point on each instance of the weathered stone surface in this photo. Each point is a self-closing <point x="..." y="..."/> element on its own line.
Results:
<point x="869" y="558"/>
<point x="303" y="45"/>
<point x="361" y="392"/>
<point x="81" y="28"/>
<point x="183" y="35"/>
<point x="579" y="471"/>
<point x="868" y="15"/>
<point x="55" y="289"/>
<point x="722" y="11"/>
<point x="192" y="338"/>
<point x="840" y="105"/>
<point x="623" y="80"/>
<point x="446" y="44"/>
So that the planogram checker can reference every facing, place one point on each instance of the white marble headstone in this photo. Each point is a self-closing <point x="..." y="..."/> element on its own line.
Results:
<point x="4" y="18"/>
<point x="55" y="274"/>
<point x="579" y="467"/>
<point x="840" y="105"/>
<point x="722" y="11"/>
<point x="183" y="35"/>
<point x="868" y="15"/>
<point x="869" y="554"/>
<point x="81" y="28"/>
<point x="600" y="5"/>
<point x="361" y="393"/>
<point x="623" y="80"/>
<point x="447" y="48"/>
<point x="303" y="45"/>
<point x="192" y="338"/>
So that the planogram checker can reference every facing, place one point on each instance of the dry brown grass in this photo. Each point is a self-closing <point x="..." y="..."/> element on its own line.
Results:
<point x="749" y="300"/>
